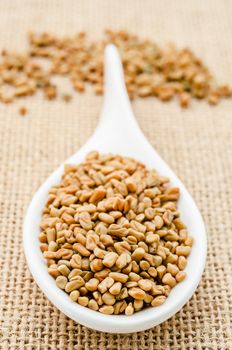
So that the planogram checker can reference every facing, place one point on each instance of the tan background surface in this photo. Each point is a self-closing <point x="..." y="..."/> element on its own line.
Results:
<point x="197" y="143"/>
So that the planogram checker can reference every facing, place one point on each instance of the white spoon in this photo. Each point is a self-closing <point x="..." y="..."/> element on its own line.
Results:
<point x="117" y="132"/>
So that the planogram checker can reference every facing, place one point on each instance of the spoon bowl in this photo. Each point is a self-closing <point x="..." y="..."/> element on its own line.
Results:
<point x="118" y="133"/>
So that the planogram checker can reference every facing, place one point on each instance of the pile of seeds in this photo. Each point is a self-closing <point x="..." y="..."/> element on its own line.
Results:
<point x="112" y="235"/>
<point x="149" y="69"/>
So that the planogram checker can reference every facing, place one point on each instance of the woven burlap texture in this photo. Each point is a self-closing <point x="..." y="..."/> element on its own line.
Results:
<point x="196" y="143"/>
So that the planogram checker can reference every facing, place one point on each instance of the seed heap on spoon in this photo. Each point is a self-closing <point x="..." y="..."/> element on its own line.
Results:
<point x="112" y="235"/>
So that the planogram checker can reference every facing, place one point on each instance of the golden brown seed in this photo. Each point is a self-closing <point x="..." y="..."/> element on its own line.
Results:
<point x="152" y="272"/>
<point x="92" y="241"/>
<point x="61" y="281"/>
<point x="181" y="275"/>
<point x="85" y="220"/>
<point x="93" y="305"/>
<point x="145" y="284"/>
<point x="75" y="284"/>
<point x="51" y="234"/>
<point x="108" y="219"/>
<point x="144" y="265"/>
<point x="173" y="269"/>
<point x="157" y="301"/>
<point x="110" y="259"/>
<point x="116" y="288"/>
<point x="134" y="277"/>
<point x="83" y="301"/>
<point x="169" y="280"/>
<point x="75" y="262"/>
<point x="123" y="260"/>
<point x="161" y="271"/>
<point x="108" y="298"/>
<point x="100" y="253"/>
<point x="107" y="309"/>
<point x="189" y="241"/>
<point x="105" y="284"/>
<point x="129" y="310"/>
<point x="137" y="293"/>
<point x="148" y="298"/>
<point x="96" y="265"/>
<point x="138" y="304"/>
<point x="182" y="262"/>
<point x="64" y="270"/>
<point x="182" y="250"/>
<point x="92" y="284"/>
<point x="138" y="254"/>
<point x="74" y="295"/>
<point x="158" y="221"/>
<point x="118" y="277"/>
<point x="78" y="247"/>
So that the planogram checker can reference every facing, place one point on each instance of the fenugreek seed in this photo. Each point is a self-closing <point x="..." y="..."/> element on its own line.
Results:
<point x="152" y="271"/>
<point x="100" y="253"/>
<point x="106" y="240"/>
<point x="101" y="275"/>
<point x="161" y="271"/>
<point x="83" y="291"/>
<point x="144" y="265"/>
<point x="158" y="221"/>
<point x="137" y="293"/>
<point x="189" y="241"/>
<point x="110" y="259"/>
<point x="123" y="260"/>
<point x="108" y="219"/>
<point x="173" y="269"/>
<point x="157" y="301"/>
<point x="107" y="309"/>
<point x="122" y="247"/>
<point x="78" y="247"/>
<point x="64" y="270"/>
<point x="157" y="290"/>
<point x="183" y="250"/>
<point x="51" y="235"/>
<point x="105" y="284"/>
<point x="85" y="220"/>
<point x="93" y="305"/>
<point x="123" y="294"/>
<point x="75" y="284"/>
<point x="75" y="262"/>
<point x="145" y="284"/>
<point x="74" y="295"/>
<point x="129" y="310"/>
<point x="53" y="271"/>
<point x="180" y="276"/>
<point x="50" y="255"/>
<point x="138" y="254"/>
<point x="134" y="277"/>
<point x="53" y="246"/>
<point x="92" y="241"/>
<point x="118" y="277"/>
<point x="138" y="304"/>
<point x="92" y="284"/>
<point x="108" y="298"/>
<point x="169" y="280"/>
<point x="135" y="267"/>
<point x="96" y="265"/>
<point x="182" y="262"/>
<point x="61" y="282"/>
<point x="83" y="301"/>
<point x="98" y="195"/>
<point x="131" y="284"/>
<point x="74" y="273"/>
<point x="116" y="288"/>
<point x="148" y="298"/>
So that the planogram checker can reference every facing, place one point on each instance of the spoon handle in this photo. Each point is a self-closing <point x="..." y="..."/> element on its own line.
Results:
<point x="116" y="112"/>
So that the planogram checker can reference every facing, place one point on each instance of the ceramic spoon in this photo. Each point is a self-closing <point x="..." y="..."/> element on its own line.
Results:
<point x="117" y="132"/>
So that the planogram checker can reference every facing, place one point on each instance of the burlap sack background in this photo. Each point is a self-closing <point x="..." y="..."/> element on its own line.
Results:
<point x="196" y="143"/>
